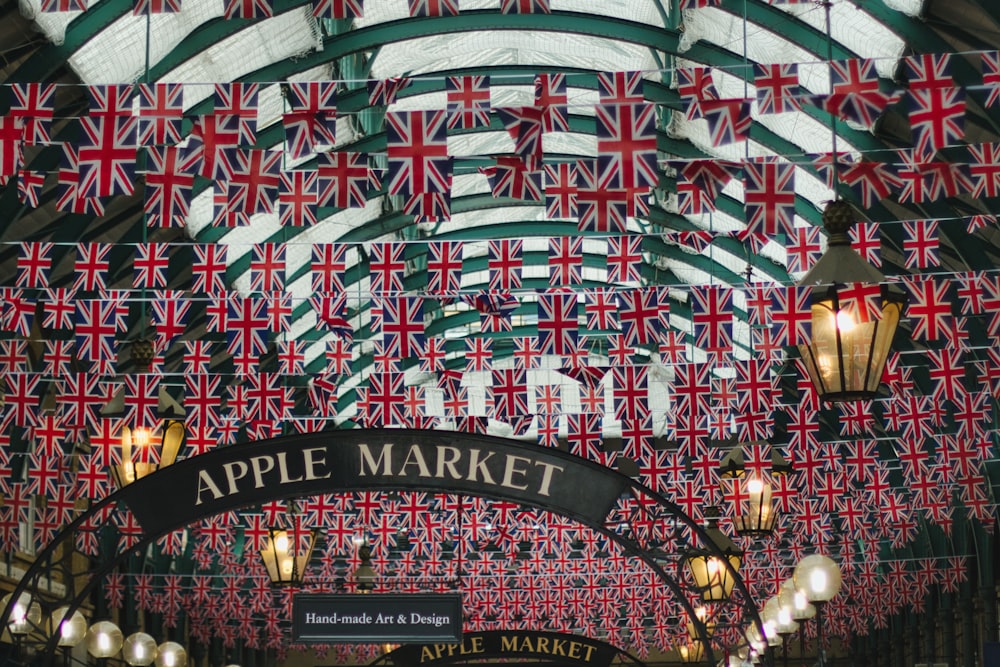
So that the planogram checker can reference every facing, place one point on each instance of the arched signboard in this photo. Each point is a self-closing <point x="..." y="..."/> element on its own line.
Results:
<point x="653" y="529"/>
<point x="511" y="646"/>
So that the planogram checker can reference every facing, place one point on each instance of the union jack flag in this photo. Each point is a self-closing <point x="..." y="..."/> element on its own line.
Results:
<point x="150" y="265"/>
<point x="712" y="316"/>
<point x="385" y="399"/>
<point x="550" y="97"/>
<point x="247" y="9"/>
<point x="855" y="94"/>
<point x="602" y="310"/>
<point x="626" y="146"/>
<point x="34" y="262"/>
<point x="620" y="87"/>
<point x="929" y="307"/>
<point x="728" y="120"/>
<point x="96" y="326"/>
<point x="68" y="194"/>
<point x="428" y="206"/>
<point x="338" y="9"/>
<point x="313" y="117"/>
<point x="505" y="264"/>
<point x="252" y="179"/>
<point x="109" y="100"/>
<point x="525" y="7"/>
<point x="246" y="326"/>
<point x="106" y="156"/>
<point x="91" y="266"/>
<point x="329" y="261"/>
<point x="63" y="5"/>
<point x="803" y="248"/>
<point x="872" y="181"/>
<point x="920" y="243"/>
<point x="208" y="269"/>
<point x="161" y="109"/>
<point x="791" y="314"/>
<point x="991" y="77"/>
<point x="444" y="267"/>
<point x="237" y="101"/>
<point x="141" y="402"/>
<point x="383" y="92"/>
<point x="209" y="135"/>
<point x="267" y="267"/>
<point x="512" y="178"/>
<point x="777" y="87"/>
<point x="344" y="179"/>
<point x="631" y="392"/>
<point x="330" y="311"/>
<point x="143" y="7"/>
<point x="59" y="309"/>
<point x="298" y="196"/>
<point x="417" y="148"/>
<point x="168" y="188"/>
<point x="601" y="209"/>
<point x="694" y="86"/>
<point x="433" y="7"/>
<point x="929" y="70"/>
<point x="937" y="118"/>
<point x="510" y="393"/>
<point x="403" y="326"/>
<point x="33" y="106"/>
<point x="560" y="190"/>
<point x="80" y="399"/>
<point x="524" y="125"/>
<point x="558" y="332"/>
<point x="468" y="101"/>
<point x="387" y="268"/>
<point x="624" y="258"/>
<point x="169" y="314"/>
<point x="985" y="169"/>
<point x="641" y="316"/>
<point x="566" y="260"/>
<point x="769" y="196"/>
<point x="29" y="187"/>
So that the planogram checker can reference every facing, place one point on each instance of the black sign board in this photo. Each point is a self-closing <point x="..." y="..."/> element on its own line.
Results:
<point x="566" y="649"/>
<point x="363" y="619"/>
<point x="228" y="478"/>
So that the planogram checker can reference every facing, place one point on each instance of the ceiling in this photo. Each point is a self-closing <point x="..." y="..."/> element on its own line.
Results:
<point x="309" y="369"/>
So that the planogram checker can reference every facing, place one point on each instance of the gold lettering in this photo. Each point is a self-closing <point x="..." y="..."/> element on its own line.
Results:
<point x="283" y="469"/>
<point x="235" y="471"/>
<point x="508" y="644"/>
<point x="542" y="644"/>
<point x="426" y="654"/>
<point x="574" y="650"/>
<point x="384" y="460"/>
<point x="205" y="483"/>
<point x="510" y="470"/>
<point x="447" y="458"/>
<point x="526" y="645"/>
<point x="315" y="457"/>
<point x="476" y="465"/>
<point x="543" y="488"/>
<point x="590" y="652"/>
<point x="558" y="647"/>
<point x="476" y="644"/>
<point x="260" y="465"/>
<point x="415" y="457"/>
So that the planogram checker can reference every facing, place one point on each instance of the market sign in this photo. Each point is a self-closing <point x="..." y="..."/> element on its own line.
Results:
<point x="511" y="645"/>
<point x="325" y="618"/>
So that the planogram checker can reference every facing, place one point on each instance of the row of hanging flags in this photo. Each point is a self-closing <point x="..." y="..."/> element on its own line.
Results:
<point x="349" y="9"/>
<point x="601" y="193"/>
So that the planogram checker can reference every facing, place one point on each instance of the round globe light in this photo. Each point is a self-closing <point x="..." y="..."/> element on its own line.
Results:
<point x="103" y="639"/>
<point x="139" y="649"/>
<point x="25" y="615"/>
<point x="71" y="629"/>
<point x="818" y="576"/>
<point x="171" y="654"/>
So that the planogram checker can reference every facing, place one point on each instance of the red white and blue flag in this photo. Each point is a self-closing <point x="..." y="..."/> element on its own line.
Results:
<point x="33" y="105"/>
<point x="338" y="9"/>
<point x="551" y="98"/>
<point x="558" y="331"/>
<point x="417" y="150"/>
<point x="769" y="196"/>
<point x="511" y="177"/>
<point x="433" y="7"/>
<point x="106" y="155"/>
<point x="168" y="188"/>
<point x="237" y="100"/>
<point x="160" y="112"/>
<point x="560" y="190"/>
<point x="777" y="87"/>
<point x="468" y="101"/>
<point x="298" y="197"/>
<point x="626" y="146"/>
<point x="620" y="87"/>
